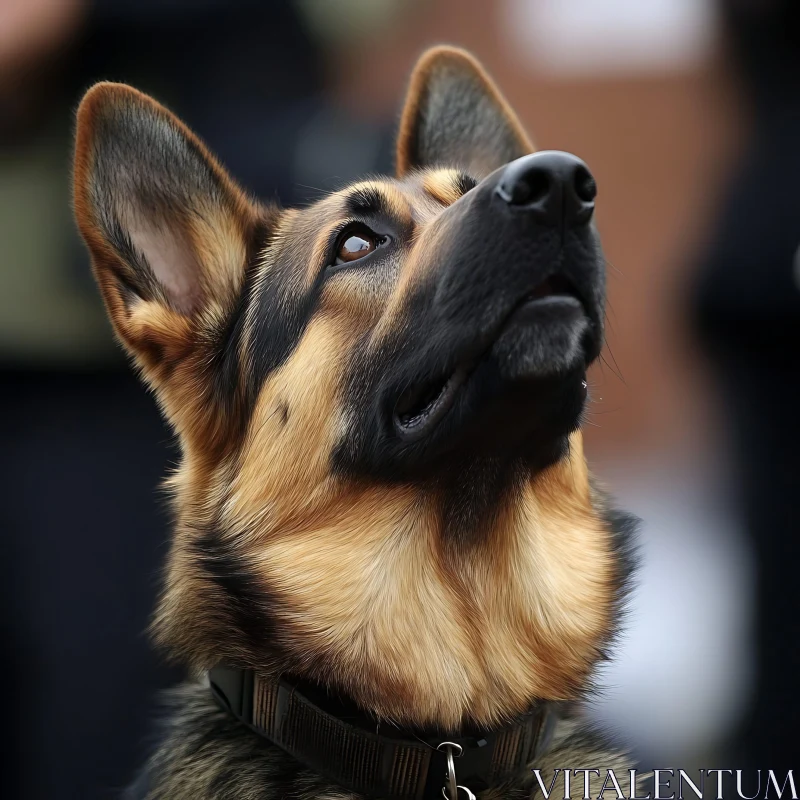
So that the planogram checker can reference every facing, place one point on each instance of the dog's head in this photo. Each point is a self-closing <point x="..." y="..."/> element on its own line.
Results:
<point x="382" y="484"/>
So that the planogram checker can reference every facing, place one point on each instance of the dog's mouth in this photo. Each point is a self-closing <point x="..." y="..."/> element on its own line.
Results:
<point x="421" y="407"/>
<point x="556" y="288"/>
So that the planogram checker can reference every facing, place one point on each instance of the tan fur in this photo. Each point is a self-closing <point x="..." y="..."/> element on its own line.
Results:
<point x="368" y="580"/>
<point x="441" y="185"/>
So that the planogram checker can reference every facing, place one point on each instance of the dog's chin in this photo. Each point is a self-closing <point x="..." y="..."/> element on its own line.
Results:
<point x="545" y="339"/>
<point x="522" y="399"/>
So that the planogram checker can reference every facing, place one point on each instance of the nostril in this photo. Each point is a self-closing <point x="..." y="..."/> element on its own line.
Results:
<point x="527" y="188"/>
<point x="585" y="185"/>
<point x="535" y="185"/>
<point x="552" y="187"/>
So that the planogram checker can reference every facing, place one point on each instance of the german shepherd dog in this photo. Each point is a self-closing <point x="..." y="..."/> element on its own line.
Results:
<point x="391" y="574"/>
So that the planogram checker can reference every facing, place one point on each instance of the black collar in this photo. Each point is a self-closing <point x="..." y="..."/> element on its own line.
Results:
<point x="373" y="760"/>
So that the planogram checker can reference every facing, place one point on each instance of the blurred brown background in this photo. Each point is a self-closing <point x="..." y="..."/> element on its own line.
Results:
<point x="299" y="97"/>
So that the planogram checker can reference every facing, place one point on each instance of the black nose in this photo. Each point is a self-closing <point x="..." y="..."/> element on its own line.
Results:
<point x="556" y="188"/>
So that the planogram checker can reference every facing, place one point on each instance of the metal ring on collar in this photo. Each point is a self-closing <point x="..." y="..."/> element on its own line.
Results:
<point x="467" y="792"/>
<point x="451" y="768"/>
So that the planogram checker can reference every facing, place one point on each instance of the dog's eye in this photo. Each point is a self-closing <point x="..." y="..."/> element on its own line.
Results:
<point x="356" y="243"/>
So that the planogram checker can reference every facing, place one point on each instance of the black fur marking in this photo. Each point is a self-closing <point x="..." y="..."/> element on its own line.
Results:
<point x="464" y="183"/>
<point x="247" y="604"/>
<point x="623" y="526"/>
<point x="366" y="200"/>
<point x="280" y="321"/>
<point x="226" y="361"/>
<point x="283" y="409"/>
<point x="472" y="495"/>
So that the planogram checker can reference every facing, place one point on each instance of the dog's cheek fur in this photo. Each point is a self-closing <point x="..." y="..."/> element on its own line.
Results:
<point x="296" y="333"/>
<point x="217" y="604"/>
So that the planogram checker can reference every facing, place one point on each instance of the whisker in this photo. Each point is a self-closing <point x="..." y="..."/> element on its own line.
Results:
<point x="615" y="269"/>
<point x="323" y="192"/>
<point x="617" y="371"/>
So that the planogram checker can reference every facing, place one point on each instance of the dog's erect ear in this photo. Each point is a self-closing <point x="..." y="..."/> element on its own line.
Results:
<point x="170" y="236"/>
<point x="455" y="116"/>
<point x="168" y="230"/>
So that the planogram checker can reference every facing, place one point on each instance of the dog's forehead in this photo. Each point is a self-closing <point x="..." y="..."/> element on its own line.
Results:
<point x="413" y="198"/>
<point x="303" y="234"/>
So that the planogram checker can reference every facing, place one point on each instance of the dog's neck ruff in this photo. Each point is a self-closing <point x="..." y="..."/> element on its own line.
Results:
<point x="345" y="746"/>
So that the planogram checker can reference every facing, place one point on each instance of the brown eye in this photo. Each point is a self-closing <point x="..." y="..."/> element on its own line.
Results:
<point x="356" y="244"/>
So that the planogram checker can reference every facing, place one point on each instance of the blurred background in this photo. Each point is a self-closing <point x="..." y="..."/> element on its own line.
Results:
<point x="687" y="112"/>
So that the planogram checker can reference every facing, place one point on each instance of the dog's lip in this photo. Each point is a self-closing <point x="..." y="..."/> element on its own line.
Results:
<point x="421" y="407"/>
<point x="555" y="288"/>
